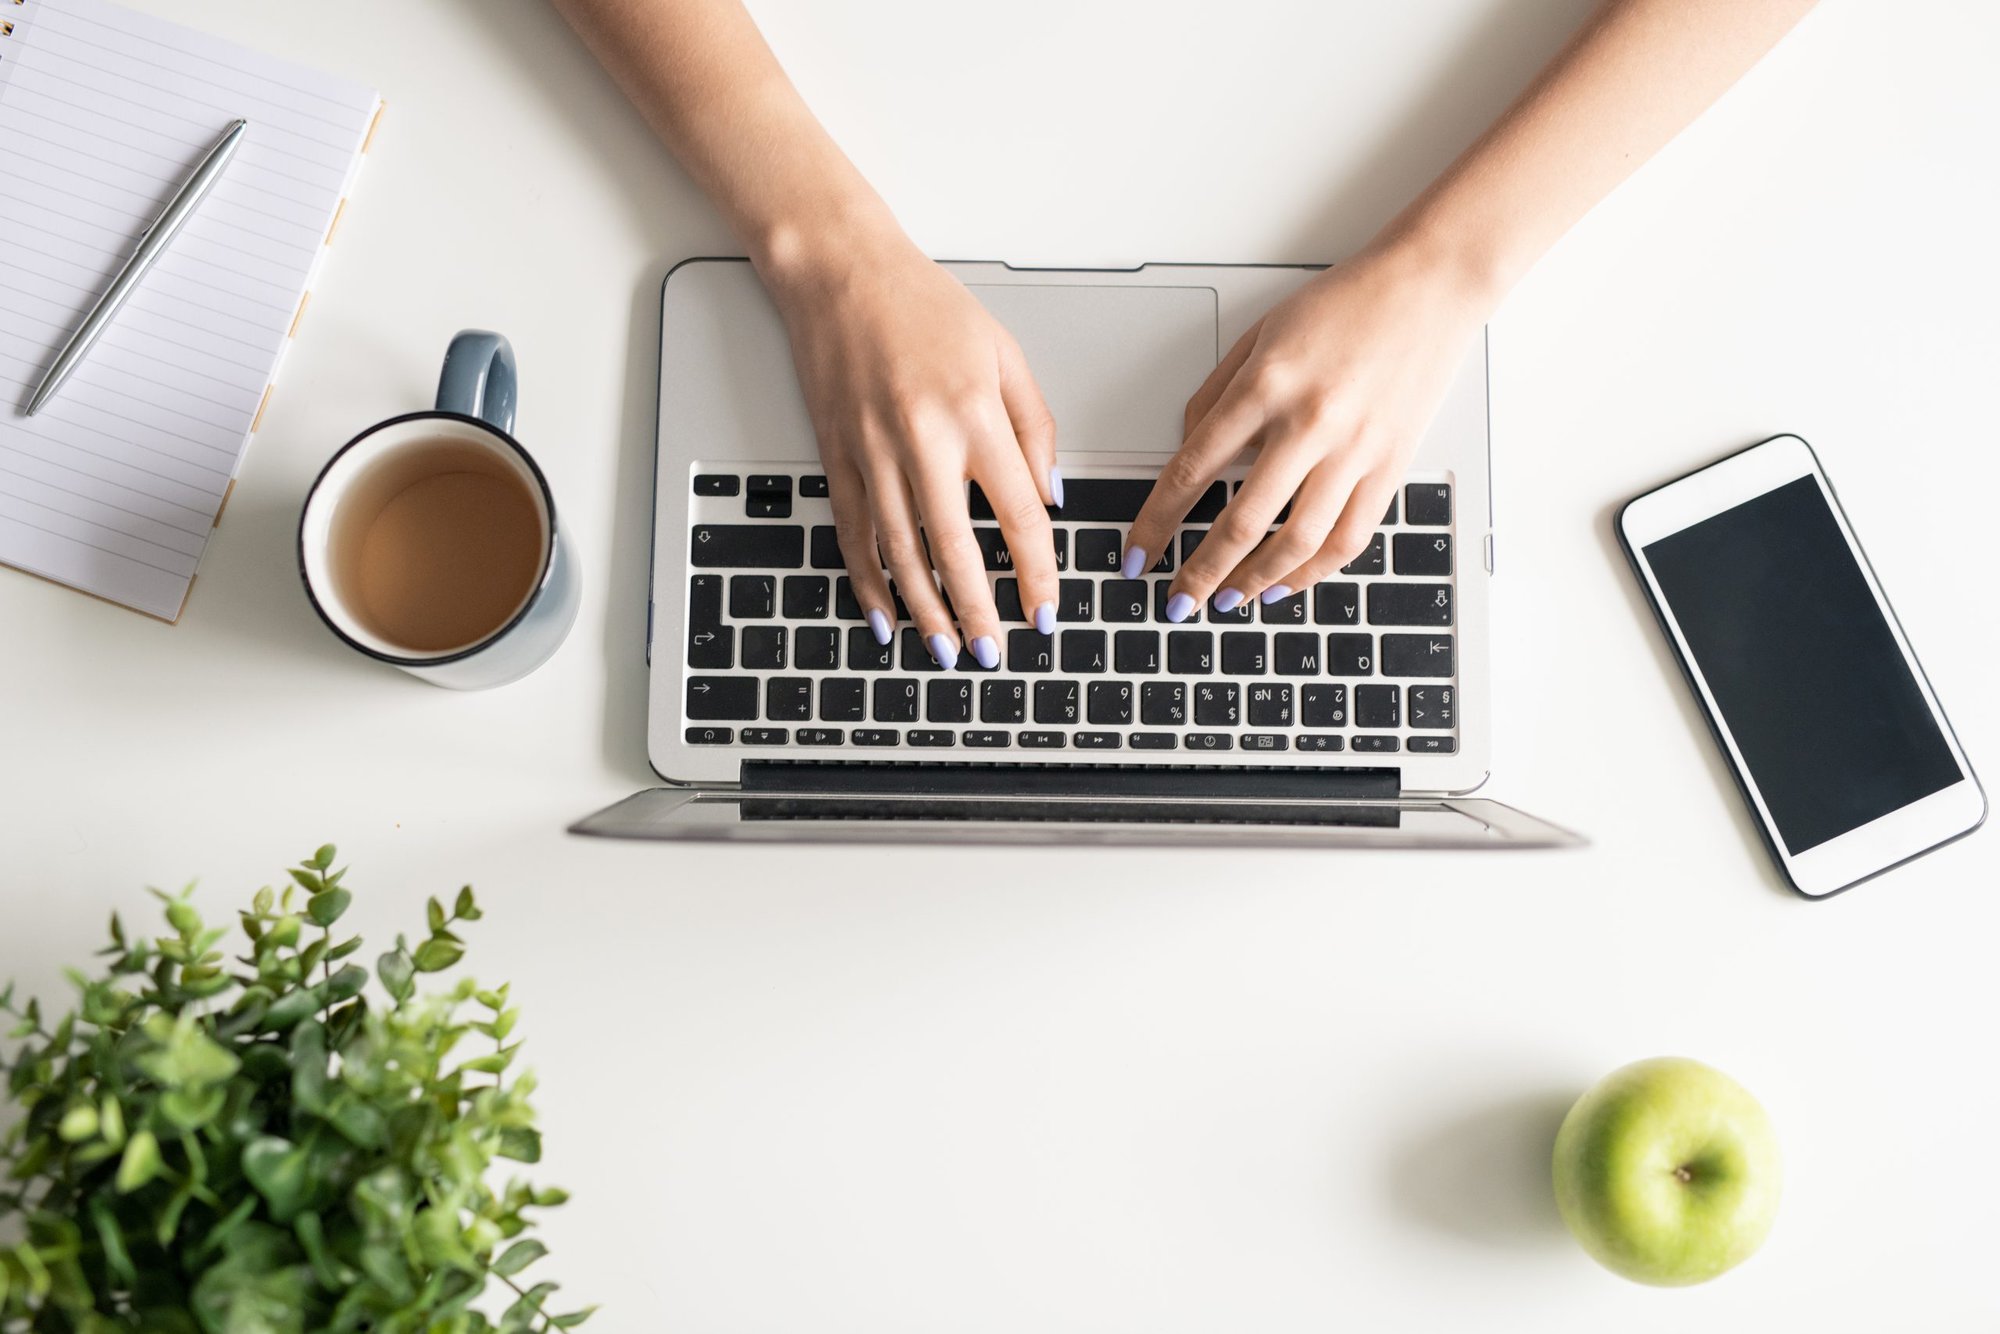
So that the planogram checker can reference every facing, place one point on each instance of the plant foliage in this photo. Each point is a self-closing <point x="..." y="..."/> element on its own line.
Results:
<point x="254" y="1146"/>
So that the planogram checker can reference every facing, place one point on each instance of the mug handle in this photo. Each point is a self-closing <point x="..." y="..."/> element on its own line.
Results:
<point x="480" y="379"/>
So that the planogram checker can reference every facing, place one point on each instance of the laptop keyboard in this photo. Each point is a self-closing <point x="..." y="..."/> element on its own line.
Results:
<point x="778" y="652"/>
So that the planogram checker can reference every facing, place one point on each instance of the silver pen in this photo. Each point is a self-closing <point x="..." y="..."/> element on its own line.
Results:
<point x="152" y="243"/>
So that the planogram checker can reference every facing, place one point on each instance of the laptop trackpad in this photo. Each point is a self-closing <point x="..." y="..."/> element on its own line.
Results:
<point x="1116" y="363"/>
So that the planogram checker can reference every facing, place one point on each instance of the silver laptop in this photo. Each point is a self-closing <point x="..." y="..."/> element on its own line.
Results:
<point x="1353" y="713"/>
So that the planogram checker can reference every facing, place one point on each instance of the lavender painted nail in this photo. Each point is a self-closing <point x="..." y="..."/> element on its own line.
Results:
<point x="1275" y="593"/>
<point x="1179" y="607"/>
<point x="1055" y="484"/>
<point x="880" y="625"/>
<point x="1229" y="599"/>
<point x="941" y="649"/>
<point x="986" y="652"/>
<point x="1135" y="561"/>
<point x="1045" y="618"/>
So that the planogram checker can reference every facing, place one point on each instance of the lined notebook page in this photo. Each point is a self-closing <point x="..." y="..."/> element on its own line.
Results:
<point x="114" y="486"/>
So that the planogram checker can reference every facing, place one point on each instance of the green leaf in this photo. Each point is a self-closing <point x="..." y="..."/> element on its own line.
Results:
<point x="79" y="1123"/>
<point x="310" y="881"/>
<point x="434" y="915"/>
<point x="437" y="955"/>
<point x="264" y="901"/>
<point x="574" y="1318"/>
<point x="111" y="1122"/>
<point x="111" y="1239"/>
<point x="345" y="985"/>
<point x="309" y="1075"/>
<point x="140" y="1163"/>
<point x="397" y="974"/>
<point x="466" y="907"/>
<point x="518" y="1257"/>
<point x="277" y="1168"/>
<point x="183" y="918"/>
<point x="325" y="908"/>
<point x="523" y="1144"/>
<point x="189" y="1109"/>
<point x="323" y="859"/>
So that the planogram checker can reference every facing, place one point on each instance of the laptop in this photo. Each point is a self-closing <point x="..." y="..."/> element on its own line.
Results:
<point x="1354" y="713"/>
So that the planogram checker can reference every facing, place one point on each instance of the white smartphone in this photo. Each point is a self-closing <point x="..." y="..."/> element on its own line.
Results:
<point x="1836" y="738"/>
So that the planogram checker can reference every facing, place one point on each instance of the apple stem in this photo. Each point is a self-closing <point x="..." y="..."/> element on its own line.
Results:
<point x="1684" y="1172"/>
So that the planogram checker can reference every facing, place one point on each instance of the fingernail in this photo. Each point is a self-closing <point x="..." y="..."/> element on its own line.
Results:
<point x="1135" y="561"/>
<point x="1179" y="607"/>
<point x="1055" y="484"/>
<point x="986" y="652"/>
<point x="1275" y="593"/>
<point x="1229" y="599"/>
<point x="880" y="625"/>
<point x="1045" y="618"/>
<point x="941" y="649"/>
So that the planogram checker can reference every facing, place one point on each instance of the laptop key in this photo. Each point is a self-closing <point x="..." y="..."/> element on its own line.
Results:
<point x="1383" y="744"/>
<point x="1216" y="704"/>
<point x="1370" y="561"/>
<point x="1239" y="614"/>
<point x="1270" y="706"/>
<point x="1003" y="701"/>
<point x="1076" y="599"/>
<point x="1266" y="741"/>
<point x="1285" y="611"/>
<point x="842" y="699"/>
<point x="753" y="597"/>
<point x="1336" y="604"/>
<point x="1417" y="655"/>
<point x="1350" y="655"/>
<point x="1190" y="652"/>
<point x="711" y="644"/>
<point x="1409" y="604"/>
<point x="1162" y="595"/>
<point x="993" y="548"/>
<point x="1245" y="653"/>
<point x="710" y="736"/>
<point x="916" y="653"/>
<point x="767" y="736"/>
<point x="1427" y="503"/>
<point x="1389" y="519"/>
<point x="816" y="648"/>
<point x="1296" y="653"/>
<point x="821" y="736"/>
<point x="1431" y="707"/>
<point x="948" y="701"/>
<point x="864" y="654"/>
<point x="1056" y="702"/>
<point x="924" y="737"/>
<point x="1210" y="741"/>
<point x="826" y="548"/>
<point x="1136" y="652"/>
<point x="1083" y="651"/>
<point x="716" y="698"/>
<point x="1378" y="706"/>
<point x="1155" y="740"/>
<point x="813" y="484"/>
<point x="1423" y="553"/>
<point x="1433" y="745"/>
<point x="1163" y="704"/>
<point x="895" y="700"/>
<point x="876" y="736"/>
<point x="1099" y="550"/>
<point x="1122" y="600"/>
<point x="989" y="740"/>
<point x="1109" y="703"/>
<point x="768" y="496"/>
<point x="805" y="597"/>
<point x="747" y="546"/>
<point x="788" y="699"/>
<point x="1190" y="539"/>
<point x="1099" y="741"/>
<point x="717" y="484"/>
<point x="1007" y="599"/>
<point x="764" y="647"/>
<point x="1030" y="651"/>
<point x="1044" y="740"/>
<point x="846" y="607"/>
<point x="1322" y="743"/>
<point x="1323" y="706"/>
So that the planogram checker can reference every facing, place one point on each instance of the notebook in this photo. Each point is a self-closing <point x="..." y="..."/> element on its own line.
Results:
<point x="115" y="485"/>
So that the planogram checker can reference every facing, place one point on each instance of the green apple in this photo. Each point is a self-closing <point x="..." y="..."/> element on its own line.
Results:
<point x="1667" y="1171"/>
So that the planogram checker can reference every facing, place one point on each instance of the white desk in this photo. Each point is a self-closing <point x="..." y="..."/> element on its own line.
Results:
<point x="936" y="1089"/>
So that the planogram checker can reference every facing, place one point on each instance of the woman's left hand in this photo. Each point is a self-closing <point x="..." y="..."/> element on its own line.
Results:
<point x="1334" y="387"/>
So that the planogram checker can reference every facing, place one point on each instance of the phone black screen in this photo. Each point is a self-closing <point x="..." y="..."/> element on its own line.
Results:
<point x="1808" y="677"/>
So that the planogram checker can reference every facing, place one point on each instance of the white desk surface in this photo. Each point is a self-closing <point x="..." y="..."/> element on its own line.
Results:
<point x="942" y="1089"/>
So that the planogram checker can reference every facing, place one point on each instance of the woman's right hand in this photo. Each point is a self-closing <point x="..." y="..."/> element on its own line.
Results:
<point x="914" y="389"/>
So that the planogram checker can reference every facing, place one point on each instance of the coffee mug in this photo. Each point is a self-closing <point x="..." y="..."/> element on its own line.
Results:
<point x="430" y="542"/>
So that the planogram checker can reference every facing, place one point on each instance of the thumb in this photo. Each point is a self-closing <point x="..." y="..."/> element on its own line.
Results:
<point x="1034" y="425"/>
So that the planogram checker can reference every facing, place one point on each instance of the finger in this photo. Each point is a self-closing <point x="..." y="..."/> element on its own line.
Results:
<point x="1034" y="425"/>
<point x="1268" y="571"/>
<point x="1350" y="536"/>
<point x="1025" y="526"/>
<point x="899" y="537"/>
<point x="1244" y="523"/>
<point x="940" y="501"/>
<point x="1210" y="393"/>
<point x="1220" y="437"/>
<point x="854" y="529"/>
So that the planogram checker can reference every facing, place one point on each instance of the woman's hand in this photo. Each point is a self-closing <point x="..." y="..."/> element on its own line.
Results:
<point x="1334" y="386"/>
<point x="914" y="389"/>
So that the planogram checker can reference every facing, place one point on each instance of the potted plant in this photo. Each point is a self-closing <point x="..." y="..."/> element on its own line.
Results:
<point x="267" y="1144"/>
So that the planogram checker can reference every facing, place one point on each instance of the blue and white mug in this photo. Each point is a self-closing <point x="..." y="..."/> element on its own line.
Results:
<point x="430" y="542"/>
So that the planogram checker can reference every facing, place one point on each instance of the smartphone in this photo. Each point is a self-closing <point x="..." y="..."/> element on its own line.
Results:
<point x="1837" y="741"/>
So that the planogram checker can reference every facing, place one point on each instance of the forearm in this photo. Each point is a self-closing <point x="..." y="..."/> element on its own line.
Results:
<point x="703" y="77"/>
<point x="1631" y="79"/>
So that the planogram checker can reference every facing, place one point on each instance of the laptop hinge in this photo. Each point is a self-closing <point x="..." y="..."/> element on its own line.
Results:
<point x="1031" y="780"/>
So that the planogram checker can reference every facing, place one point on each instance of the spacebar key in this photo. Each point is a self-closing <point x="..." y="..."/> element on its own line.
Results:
<point x="748" y="546"/>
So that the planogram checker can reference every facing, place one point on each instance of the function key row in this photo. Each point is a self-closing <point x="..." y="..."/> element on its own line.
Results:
<point x="992" y="740"/>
